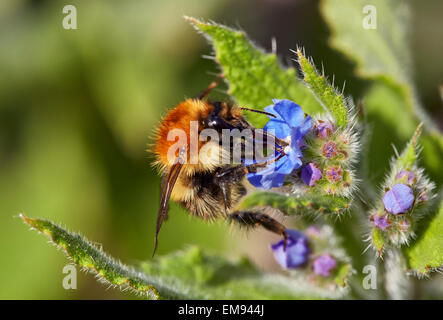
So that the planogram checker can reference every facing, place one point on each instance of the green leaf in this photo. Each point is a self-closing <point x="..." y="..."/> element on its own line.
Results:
<point x="297" y="204"/>
<point x="410" y="154"/>
<point x="206" y="276"/>
<point x="378" y="240"/>
<point x="383" y="55"/>
<point x="189" y="274"/>
<point x="255" y="78"/>
<point x="331" y="99"/>
<point x="377" y="52"/>
<point x="341" y="273"/>
<point x="384" y="107"/>
<point x="88" y="256"/>
<point x="426" y="253"/>
<point x="432" y="142"/>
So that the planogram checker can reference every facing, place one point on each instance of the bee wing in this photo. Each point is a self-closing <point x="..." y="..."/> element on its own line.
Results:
<point x="168" y="182"/>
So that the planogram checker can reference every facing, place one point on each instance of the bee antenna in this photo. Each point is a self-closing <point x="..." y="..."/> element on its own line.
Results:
<point x="211" y="86"/>
<point x="259" y="111"/>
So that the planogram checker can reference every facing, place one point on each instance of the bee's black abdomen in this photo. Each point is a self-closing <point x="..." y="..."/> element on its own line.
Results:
<point x="209" y="201"/>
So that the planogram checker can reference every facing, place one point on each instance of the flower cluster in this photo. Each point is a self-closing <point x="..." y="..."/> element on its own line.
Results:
<point x="323" y="152"/>
<point x="329" y="154"/>
<point x="405" y="193"/>
<point x="314" y="251"/>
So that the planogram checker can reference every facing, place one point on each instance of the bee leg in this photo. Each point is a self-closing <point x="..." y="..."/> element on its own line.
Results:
<point x="254" y="219"/>
<point x="253" y="168"/>
<point x="213" y="84"/>
<point x="226" y="198"/>
<point x="225" y="177"/>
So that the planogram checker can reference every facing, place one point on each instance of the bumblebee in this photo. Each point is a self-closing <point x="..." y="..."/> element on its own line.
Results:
<point x="207" y="189"/>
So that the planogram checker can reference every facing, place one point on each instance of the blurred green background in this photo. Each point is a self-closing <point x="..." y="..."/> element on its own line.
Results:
<point x="77" y="108"/>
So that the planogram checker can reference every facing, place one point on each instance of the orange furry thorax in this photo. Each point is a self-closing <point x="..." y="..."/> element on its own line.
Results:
<point x="179" y="118"/>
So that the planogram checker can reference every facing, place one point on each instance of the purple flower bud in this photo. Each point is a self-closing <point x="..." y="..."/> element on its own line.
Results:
<point x="406" y="177"/>
<point x="324" y="264"/>
<point x="399" y="199"/>
<point x="324" y="129"/>
<point x="296" y="252"/>
<point x="334" y="173"/>
<point x="381" y="221"/>
<point x="329" y="149"/>
<point x="313" y="231"/>
<point x="404" y="225"/>
<point x="423" y="197"/>
<point x="310" y="173"/>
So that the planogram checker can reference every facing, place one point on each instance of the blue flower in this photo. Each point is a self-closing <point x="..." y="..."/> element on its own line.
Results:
<point x="296" y="252"/>
<point x="290" y="125"/>
<point x="399" y="199"/>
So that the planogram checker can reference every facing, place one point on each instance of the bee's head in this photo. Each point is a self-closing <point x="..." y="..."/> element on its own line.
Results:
<point x="224" y="116"/>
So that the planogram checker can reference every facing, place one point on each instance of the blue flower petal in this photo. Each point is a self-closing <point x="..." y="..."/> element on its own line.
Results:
<point x="295" y="160"/>
<point x="273" y="181"/>
<point x="259" y="181"/>
<point x="295" y="149"/>
<point x="305" y="126"/>
<point x="291" y="112"/>
<point x="399" y="199"/>
<point x="298" y="133"/>
<point x="285" y="165"/>
<point x="270" y="109"/>
<point x="267" y="178"/>
<point x="263" y="178"/>
<point x="274" y="174"/>
<point x="295" y="234"/>
<point x="279" y="128"/>
<point x="280" y="255"/>
<point x="296" y="252"/>
<point x="255" y="180"/>
<point x="295" y="154"/>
